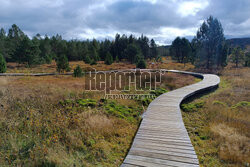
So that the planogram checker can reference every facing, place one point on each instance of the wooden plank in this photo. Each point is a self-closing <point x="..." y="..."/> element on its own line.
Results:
<point x="164" y="156"/>
<point x="169" y="147"/>
<point x="157" y="162"/>
<point x="167" y="136"/>
<point x="130" y="165"/>
<point x="164" y="152"/>
<point x="136" y="162"/>
<point x="182" y="142"/>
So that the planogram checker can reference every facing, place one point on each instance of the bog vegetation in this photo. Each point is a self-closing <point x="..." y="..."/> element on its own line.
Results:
<point x="51" y="121"/>
<point x="47" y="121"/>
<point x="218" y="123"/>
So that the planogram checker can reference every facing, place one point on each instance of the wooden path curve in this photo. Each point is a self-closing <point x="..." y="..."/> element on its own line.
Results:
<point x="162" y="139"/>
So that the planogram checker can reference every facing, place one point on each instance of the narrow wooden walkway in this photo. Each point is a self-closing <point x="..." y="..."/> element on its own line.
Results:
<point x="162" y="139"/>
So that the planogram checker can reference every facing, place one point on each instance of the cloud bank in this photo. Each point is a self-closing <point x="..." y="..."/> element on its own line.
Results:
<point x="162" y="20"/>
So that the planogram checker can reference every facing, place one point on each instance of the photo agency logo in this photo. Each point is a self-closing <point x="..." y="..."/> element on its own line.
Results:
<point x="124" y="84"/>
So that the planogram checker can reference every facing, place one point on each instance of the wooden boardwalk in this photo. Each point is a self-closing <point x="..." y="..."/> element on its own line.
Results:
<point x="162" y="139"/>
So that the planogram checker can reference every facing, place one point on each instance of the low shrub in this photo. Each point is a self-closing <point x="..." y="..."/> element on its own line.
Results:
<point x="87" y="102"/>
<point x="3" y="67"/>
<point x="146" y="101"/>
<point x="121" y="111"/>
<point x="241" y="104"/>
<point x="78" y="72"/>
<point x="220" y="103"/>
<point x="192" y="107"/>
<point x="158" y="91"/>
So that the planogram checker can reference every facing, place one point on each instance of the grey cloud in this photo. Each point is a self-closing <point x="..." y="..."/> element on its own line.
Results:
<point x="232" y="15"/>
<point x="71" y="18"/>
<point x="140" y="17"/>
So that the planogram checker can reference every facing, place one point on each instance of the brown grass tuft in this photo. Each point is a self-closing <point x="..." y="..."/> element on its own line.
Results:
<point x="220" y="130"/>
<point x="99" y="124"/>
<point x="234" y="147"/>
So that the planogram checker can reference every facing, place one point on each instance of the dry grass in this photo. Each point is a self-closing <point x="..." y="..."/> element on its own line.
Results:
<point x="234" y="146"/>
<point x="50" y="68"/>
<point x="167" y="63"/>
<point x="36" y="129"/>
<point x="171" y="81"/>
<point x="220" y="130"/>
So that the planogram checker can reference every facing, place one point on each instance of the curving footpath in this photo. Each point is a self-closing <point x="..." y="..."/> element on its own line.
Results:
<point x="162" y="139"/>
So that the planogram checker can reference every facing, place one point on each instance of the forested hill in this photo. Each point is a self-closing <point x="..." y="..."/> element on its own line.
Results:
<point x="16" y="46"/>
<point x="242" y="42"/>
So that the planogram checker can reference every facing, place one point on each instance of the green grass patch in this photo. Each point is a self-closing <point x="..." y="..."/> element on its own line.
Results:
<point x="219" y="103"/>
<point x="158" y="91"/>
<point x="121" y="111"/>
<point x="241" y="104"/>
<point x="192" y="107"/>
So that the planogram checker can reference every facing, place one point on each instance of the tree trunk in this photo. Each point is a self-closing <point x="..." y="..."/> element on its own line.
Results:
<point x="237" y="61"/>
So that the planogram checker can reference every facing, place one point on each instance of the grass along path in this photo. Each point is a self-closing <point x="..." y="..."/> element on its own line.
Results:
<point x="218" y="123"/>
<point x="48" y="121"/>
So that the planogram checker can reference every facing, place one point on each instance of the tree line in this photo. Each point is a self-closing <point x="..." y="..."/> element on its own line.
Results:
<point x="16" y="46"/>
<point x="208" y="49"/>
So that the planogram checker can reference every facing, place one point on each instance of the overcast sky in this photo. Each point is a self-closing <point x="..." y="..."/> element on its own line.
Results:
<point x="162" y="20"/>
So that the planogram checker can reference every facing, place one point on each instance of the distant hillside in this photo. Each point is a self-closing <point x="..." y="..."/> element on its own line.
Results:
<point x="242" y="42"/>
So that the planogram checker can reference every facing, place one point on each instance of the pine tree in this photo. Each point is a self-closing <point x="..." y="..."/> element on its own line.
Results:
<point x="62" y="64"/>
<point x="143" y="42"/>
<point x="3" y="67"/>
<point x="108" y="59"/>
<point x="247" y="59"/>
<point x="153" y="49"/>
<point x="180" y="50"/>
<point x="15" y="37"/>
<point x="211" y="39"/>
<point x="78" y="72"/>
<point x="131" y="52"/>
<point x="141" y="64"/>
<point x="33" y="57"/>
<point x="93" y="62"/>
<point x="23" y="51"/>
<point x="46" y="52"/>
<point x="3" y="44"/>
<point x="93" y="53"/>
<point x="116" y="59"/>
<point x="138" y="58"/>
<point x="175" y="49"/>
<point x="87" y="60"/>
<point x="72" y="50"/>
<point x="237" y="56"/>
<point x="222" y="59"/>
